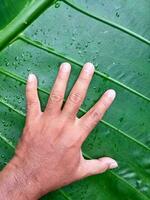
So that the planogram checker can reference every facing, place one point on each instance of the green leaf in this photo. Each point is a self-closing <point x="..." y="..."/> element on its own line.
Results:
<point x="114" y="35"/>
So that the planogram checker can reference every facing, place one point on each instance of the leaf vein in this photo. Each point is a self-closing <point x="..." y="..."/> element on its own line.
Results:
<point x="108" y="22"/>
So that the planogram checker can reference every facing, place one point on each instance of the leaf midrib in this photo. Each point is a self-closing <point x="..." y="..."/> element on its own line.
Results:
<point x="22" y="20"/>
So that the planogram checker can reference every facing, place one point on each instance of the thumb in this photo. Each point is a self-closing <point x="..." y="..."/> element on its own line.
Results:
<point x="97" y="166"/>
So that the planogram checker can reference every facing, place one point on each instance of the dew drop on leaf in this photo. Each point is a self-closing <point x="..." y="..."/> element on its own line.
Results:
<point x="57" y="5"/>
<point x="86" y="45"/>
<point x="138" y="183"/>
<point x="7" y="63"/>
<point x="73" y="38"/>
<point x="13" y="63"/>
<point x="2" y="156"/>
<point x="117" y="14"/>
<point x="121" y="119"/>
<point x="16" y="58"/>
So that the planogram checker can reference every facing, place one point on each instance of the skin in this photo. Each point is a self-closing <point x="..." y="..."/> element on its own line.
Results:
<point x="48" y="155"/>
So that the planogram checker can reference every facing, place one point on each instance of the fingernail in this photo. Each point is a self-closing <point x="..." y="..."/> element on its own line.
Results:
<point x="113" y="164"/>
<point x="88" y="68"/>
<point x="31" y="77"/>
<point x="111" y="93"/>
<point x="65" y="67"/>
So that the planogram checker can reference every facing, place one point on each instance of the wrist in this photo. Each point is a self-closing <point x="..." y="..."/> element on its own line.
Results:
<point x="16" y="182"/>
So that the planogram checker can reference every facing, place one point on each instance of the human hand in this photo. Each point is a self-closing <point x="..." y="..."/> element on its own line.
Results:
<point x="49" y="155"/>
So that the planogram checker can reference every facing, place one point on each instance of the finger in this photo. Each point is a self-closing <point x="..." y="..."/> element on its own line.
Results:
<point x="78" y="91"/>
<point x="58" y="91"/>
<point x="97" y="166"/>
<point x="95" y="114"/>
<point x="33" y="103"/>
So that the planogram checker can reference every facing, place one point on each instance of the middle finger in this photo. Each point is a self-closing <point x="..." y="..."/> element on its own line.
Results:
<point x="78" y="91"/>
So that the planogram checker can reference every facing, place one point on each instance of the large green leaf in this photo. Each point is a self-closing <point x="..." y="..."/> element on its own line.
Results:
<point x="114" y="35"/>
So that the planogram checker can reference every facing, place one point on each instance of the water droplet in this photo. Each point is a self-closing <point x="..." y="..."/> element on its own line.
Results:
<point x="7" y="63"/>
<point x="16" y="58"/>
<point x="22" y="54"/>
<point x="57" y="5"/>
<point x="73" y="38"/>
<point x="117" y="14"/>
<point x="138" y="183"/>
<point x="5" y="98"/>
<point x="121" y="119"/>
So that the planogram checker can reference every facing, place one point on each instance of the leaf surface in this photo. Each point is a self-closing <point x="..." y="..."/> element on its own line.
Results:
<point x="115" y="37"/>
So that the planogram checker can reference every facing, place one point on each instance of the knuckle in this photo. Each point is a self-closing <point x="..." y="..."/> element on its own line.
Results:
<point x="56" y="97"/>
<point x="32" y="102"/>
<point x="86" y="126"/>
<point x="71" y="145"/>
<point x="95" y="116"/>
<point x="83" y="79"/>
<point x="75" y="98"/>
<point x="71" y="142"/>
<point x="104" y="104"/>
